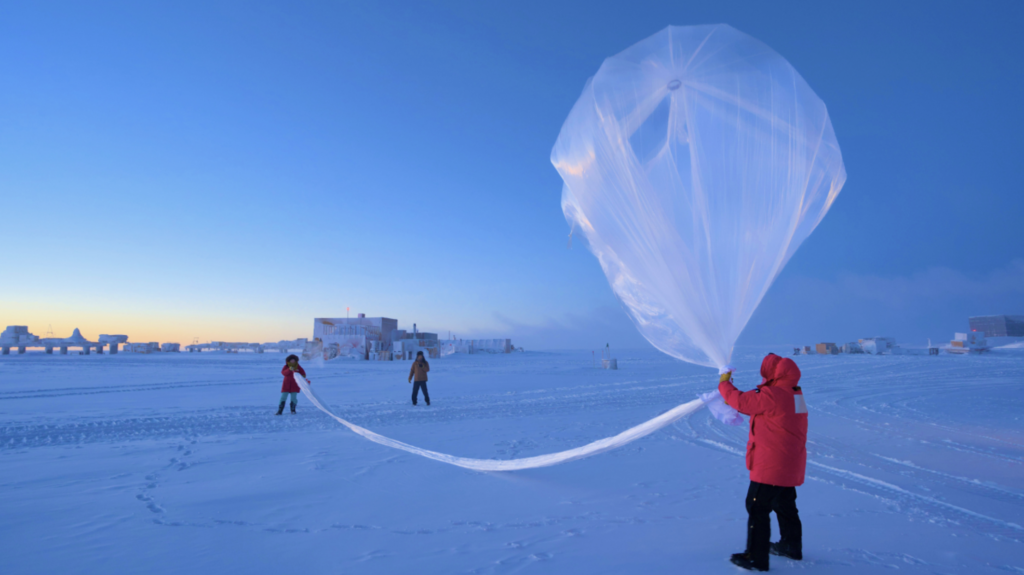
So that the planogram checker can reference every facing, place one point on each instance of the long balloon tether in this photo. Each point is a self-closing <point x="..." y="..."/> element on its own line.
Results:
<point x="593" y="448"/>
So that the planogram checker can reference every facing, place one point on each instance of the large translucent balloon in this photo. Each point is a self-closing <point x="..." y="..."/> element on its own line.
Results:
<point x="695" y="164"/>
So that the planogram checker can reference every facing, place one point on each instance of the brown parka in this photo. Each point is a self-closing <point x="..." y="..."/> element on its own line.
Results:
<point x="419" y="371"/>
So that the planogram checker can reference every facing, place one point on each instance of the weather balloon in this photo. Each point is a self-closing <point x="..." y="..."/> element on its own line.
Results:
<point x="694" y="164"/>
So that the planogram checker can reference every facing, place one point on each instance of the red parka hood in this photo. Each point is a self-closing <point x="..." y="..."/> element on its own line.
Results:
<point x="768" y="367"/>
<point x="779" y="371"/>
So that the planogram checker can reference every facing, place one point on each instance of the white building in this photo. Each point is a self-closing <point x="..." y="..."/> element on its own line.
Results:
<point x="364" y="337"/>
<point x="378" y="338"/>
<point x="352" y="337"/>
<point x="408" y="348"/>
<point x="113" y="341"/>
<point x="148" y="347"/>
<point x="877" y="345"/>
<point x="18" y="336"/>
<point x="453" y="346"/>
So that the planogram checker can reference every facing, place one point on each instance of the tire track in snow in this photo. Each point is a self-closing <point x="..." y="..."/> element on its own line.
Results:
<point x="901" y="494"/>
<point x="100" y="390"/>
<point x="973" y="483"/>
<point x="869" y="401"/>
<point x="924" y="498"/>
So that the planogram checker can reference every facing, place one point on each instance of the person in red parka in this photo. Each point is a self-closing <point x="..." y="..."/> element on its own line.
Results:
<point x="776" y="458"/>
<point x="289" y="387"/>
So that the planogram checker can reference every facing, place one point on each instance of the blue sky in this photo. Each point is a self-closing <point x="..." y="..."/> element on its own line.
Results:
<point x="230" y="170"/>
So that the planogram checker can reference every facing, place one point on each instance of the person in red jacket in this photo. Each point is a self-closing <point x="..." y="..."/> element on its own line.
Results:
<point x="289" y="387"/>
<point x="776" y="458"/>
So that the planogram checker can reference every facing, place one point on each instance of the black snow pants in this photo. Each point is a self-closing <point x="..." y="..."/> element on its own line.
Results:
<point x="762" y="499"/>
<point x="416" y="391"/>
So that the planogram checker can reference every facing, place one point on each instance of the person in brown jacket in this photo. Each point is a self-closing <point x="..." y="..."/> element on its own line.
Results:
<point x="419" y="370"/>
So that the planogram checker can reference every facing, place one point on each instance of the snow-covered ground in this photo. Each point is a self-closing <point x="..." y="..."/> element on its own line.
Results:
<point x="175" y="463"/>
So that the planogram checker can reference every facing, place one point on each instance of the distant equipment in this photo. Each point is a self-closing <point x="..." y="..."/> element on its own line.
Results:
<point x="970" y="342"/>
<point x="607" y="361"/>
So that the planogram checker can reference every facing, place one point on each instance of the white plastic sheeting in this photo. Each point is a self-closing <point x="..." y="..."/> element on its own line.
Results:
<point x="695" y="163"/>
<point x="594" y="448"/>
<point x="720" y="409"/>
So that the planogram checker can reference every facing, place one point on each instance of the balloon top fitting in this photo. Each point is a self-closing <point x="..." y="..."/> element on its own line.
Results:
<point x="674" y="84"/>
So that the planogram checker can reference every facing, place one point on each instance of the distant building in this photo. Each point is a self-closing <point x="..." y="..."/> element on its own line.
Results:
<point x="407" y="345"/>
<point x="998" y="325"/>
<point x="378" y="338"/>
<point x="286" y="345"/>
<point x="364" y="337"/>
<point x="877" y="345"/>
<point x="17" y="334"/>
<point x="852" y="347"/>
<point x="352" y="337"/>
<point x="241" y="346"/>
<point x="971" y="341"/>
<point x="453" y="346"/>
<point x="148" y="347"/>
<point x="112" y="340"/>
<point x="827" y="349"/>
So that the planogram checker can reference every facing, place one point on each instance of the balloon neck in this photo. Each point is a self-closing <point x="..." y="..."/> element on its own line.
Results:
<point x="726" y="369"/>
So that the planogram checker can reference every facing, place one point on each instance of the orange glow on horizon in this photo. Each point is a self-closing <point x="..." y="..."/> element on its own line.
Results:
<point x="166" y="328"/>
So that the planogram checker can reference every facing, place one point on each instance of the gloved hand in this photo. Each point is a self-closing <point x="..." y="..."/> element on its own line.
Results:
<point x="727" y="376"/>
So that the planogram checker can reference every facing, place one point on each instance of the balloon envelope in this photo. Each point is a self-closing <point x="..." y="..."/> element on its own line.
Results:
<point x="695" y="163"/>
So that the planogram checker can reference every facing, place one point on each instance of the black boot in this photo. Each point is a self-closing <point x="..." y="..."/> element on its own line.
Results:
<point x="293" y="407"/>
<point x="745" y="561"/>
<point x="280" y="409"/>
<point x="783" y="549"/>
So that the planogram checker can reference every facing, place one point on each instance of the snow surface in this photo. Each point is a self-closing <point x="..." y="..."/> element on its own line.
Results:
<point x="173" y="463"/>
